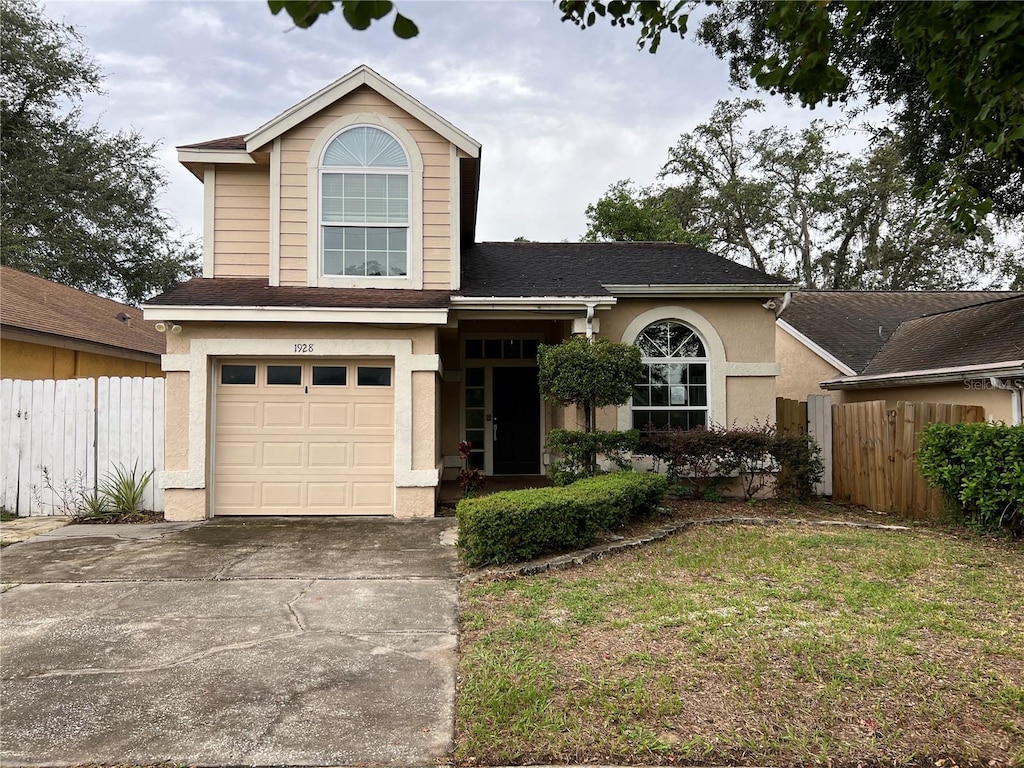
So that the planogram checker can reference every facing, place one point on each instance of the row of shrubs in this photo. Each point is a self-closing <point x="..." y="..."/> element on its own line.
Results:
<point x="980" y="470"/>
<point x="698" y="462"/>
<point x="518" y="525"/>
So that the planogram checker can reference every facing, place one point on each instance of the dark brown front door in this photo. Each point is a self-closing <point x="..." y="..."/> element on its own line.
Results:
<point x="516" y="426"/>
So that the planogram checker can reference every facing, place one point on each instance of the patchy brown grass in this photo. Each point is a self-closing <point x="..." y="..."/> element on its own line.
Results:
<point x="740" y="645"/>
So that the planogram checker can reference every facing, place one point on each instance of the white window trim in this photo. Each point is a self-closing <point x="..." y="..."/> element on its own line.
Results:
<point x="414" y="264"/>
<point x="702" y="360"/>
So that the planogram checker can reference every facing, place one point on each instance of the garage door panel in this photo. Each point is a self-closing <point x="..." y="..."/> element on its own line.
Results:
<point x="285" y="455"/>
<point x="329" y="455"/>
<point x="241" y="454"/>
<point x="284" y="414"/>
<point x="238" y="414"/>
<point x="330" y="414"/>
<point x="328" y="495"/>
<point x="304" y="449"/>
<point x="373" y="415"/>
<point x="372" y="455"/>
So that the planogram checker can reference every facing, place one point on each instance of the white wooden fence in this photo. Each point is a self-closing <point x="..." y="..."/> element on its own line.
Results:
<point x="64" y="438"/>
<point x="819" y="426"/>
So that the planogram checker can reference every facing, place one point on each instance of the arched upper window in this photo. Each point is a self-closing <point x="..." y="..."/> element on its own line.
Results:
<point x="674" y="388"/>
<point x="364" y="204"/>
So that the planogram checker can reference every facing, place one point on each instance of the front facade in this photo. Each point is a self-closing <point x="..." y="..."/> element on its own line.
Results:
<point x="349" y="331"/>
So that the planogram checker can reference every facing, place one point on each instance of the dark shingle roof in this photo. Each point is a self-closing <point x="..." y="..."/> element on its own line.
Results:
<point x="854" y="325"/>
<point x="582" y="269"/>
<point x="992" y="332"/>
<point x="228" y="142"/>
<point x="255" y="292"/>
<point x="30" y="303"/>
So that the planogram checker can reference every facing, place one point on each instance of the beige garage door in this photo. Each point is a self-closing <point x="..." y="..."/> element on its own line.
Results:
<point x="298" y="437"/>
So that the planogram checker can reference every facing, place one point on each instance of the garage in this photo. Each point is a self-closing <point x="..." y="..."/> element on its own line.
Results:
<point x="304" y="437"/>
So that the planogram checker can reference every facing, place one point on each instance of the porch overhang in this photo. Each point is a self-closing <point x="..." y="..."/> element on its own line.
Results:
<point x="257" y="314"/>
<point x="1002" y="370"/>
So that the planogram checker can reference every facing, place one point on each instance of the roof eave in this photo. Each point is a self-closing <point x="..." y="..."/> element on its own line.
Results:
<point x="564" y="303"/>
<point x="927" y="376"/>
<point x="361" y="75"/>
<point x="297" y="314"/>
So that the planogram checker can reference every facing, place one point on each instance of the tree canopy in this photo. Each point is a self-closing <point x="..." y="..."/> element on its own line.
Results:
<point x="951" y="73"/>
<point x="80" y="205"/>
<point x="790" y="204"/>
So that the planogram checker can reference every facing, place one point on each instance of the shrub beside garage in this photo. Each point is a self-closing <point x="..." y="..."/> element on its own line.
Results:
<point x="519" y="525"/>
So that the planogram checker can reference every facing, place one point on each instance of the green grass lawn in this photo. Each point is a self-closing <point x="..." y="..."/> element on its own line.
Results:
<point x="753" y="646"/>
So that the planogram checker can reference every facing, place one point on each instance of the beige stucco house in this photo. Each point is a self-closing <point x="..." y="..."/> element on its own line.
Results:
<point x="349" y="330"/>
<point x="958" y="347"/>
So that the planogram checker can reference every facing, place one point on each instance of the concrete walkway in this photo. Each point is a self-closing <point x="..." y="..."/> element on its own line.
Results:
<point x="13" y="531"/>
<point x="271" y="641"/>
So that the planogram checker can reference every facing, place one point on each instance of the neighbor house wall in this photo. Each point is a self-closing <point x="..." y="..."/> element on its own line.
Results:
<point x="996" y="402"/>
<point x="295" y="148"/>
<point x="25" y="360"/>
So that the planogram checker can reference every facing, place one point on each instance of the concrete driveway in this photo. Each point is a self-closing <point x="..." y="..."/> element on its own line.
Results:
<point x="265" y="641"/>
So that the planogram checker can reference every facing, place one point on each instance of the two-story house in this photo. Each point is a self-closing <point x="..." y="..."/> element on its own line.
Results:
<point x="349" y="330"/>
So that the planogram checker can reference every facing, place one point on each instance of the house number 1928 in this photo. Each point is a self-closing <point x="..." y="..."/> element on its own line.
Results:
<point x="303" y="347"/>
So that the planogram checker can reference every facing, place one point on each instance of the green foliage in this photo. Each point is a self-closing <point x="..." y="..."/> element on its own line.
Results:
<point x="80" y="206"/>
<point x="699" y="460"/>
<point x="123" y="490"/>
<point x="625" y="213"/>
<point x="592" y="374"/>
<point x="518" y="525"/>
<point x="359" y="14"/>
<point x="577" y="450"/>
<point x="980" y="470"/>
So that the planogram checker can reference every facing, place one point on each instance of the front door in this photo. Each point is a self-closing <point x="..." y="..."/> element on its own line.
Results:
<point x="515" y="427"/>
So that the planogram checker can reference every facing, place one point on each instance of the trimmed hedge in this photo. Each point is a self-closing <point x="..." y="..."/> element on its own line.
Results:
<point x="980" y="470"/>
<point x="513" y="526"/>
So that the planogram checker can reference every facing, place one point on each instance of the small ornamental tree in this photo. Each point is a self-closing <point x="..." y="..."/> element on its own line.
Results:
<point x="591" y="374"/>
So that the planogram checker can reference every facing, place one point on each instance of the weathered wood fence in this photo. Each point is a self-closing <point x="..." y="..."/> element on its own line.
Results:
<point x="810" y="417"/>
<point x="875" y="454"/>
<point x="64" y="438"/>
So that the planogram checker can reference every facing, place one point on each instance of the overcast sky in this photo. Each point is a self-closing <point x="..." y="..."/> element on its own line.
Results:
<point x="561" y="113"/>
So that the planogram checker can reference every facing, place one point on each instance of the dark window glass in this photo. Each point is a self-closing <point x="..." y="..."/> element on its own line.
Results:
<point x="474" y="349"/>
<point x="284" y="374"/>
<point x="641" y="395"/>
<point x="476" y="437"/>
<point x="474" y="377"/>
<point x="512" y="349"/>
<point x="369" y="376"/>
<point x="530" y="349"/>
<point x="474" y="398"/>
<point x="476" y="460"/>
<point x="492" y="349"/>
<point x="238" y="374"/>
<point x="330" y="375"/>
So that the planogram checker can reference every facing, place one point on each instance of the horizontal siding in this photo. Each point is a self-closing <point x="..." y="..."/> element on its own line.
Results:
<point x="295" y="147"/>
<point x="242" y="222"/>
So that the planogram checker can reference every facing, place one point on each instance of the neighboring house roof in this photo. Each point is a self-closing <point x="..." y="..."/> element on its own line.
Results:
<point x="983" y="334"/>
<point x="254" y="292"/>
<point x="229" y="142"/>
<point x="46" y="311"/>
<point x="598" y="269"/>
<point x="853" y="326"/>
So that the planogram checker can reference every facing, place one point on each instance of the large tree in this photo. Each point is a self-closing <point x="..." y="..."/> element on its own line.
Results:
<point x="788" y="203"/>
<point x="950" y="72"/>
<point x="79" y="205"/>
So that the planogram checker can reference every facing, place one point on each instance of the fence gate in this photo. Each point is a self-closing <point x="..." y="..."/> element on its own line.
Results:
<point x="62" y="438"/>
<point x="875" y="454"/>
<point x="811" y="417"/>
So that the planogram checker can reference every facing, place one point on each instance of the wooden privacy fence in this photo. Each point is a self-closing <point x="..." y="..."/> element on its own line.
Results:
<point x="810" y="417"/>
<point x="64" y="438"/>
<point x="874" y="453"/>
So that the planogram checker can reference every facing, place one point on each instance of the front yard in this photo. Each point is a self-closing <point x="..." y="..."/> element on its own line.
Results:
<point x="740" y="645"/>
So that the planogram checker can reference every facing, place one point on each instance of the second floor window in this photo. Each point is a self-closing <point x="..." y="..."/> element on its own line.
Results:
<point x="364" y="205"/>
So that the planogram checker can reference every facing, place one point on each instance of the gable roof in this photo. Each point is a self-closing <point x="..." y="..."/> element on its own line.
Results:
<point x="361" y="75"/>
<point x="853" y="326"/>
<point x="981" y="334"/>
<point x="602" y="269"/>
<point x="255" y="292"/>
<point x="32" y="305"/>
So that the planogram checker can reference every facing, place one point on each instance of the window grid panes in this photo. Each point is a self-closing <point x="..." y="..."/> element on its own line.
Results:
<point x="475" y="418"/>
<point x="501" y="349"/>
<point x="673" y="391"/>
<point x="364" y="216"/>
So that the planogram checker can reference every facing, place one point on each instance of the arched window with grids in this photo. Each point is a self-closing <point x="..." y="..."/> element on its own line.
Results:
<point x="674" y="388"/>
<point x="364" y="204"/>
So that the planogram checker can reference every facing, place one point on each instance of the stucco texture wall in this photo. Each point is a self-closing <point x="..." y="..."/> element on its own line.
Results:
<point x="801" y="369"/>
<point x="996" y="402"/>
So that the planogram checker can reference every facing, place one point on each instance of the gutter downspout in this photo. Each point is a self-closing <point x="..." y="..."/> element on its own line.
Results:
<point x="590" y="320"/>
<point x="1016" y="389"/>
